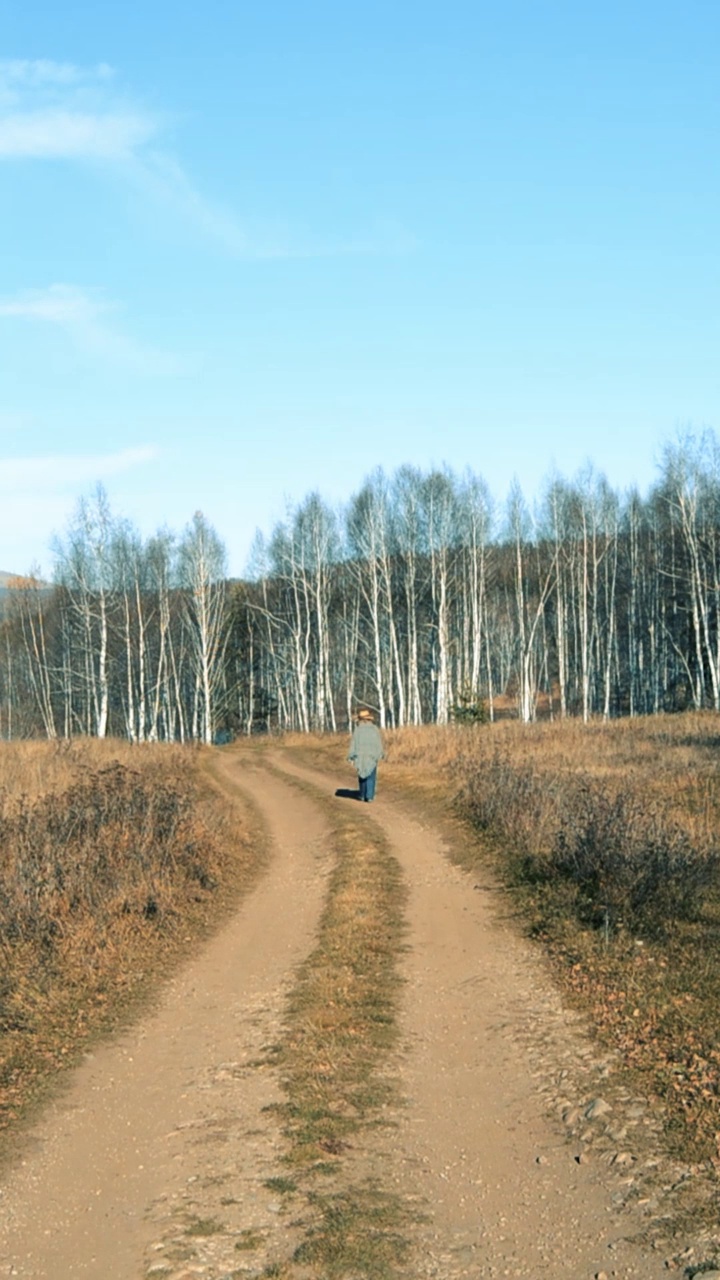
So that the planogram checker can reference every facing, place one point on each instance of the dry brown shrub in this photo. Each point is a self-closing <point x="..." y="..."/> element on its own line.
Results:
<point x="110" y="855"/>
<point x="611" y="825"/>
<point x="625" y="812"/>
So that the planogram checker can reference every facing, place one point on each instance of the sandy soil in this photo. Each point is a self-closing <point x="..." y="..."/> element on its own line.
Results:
<point x="525" y="1157"/>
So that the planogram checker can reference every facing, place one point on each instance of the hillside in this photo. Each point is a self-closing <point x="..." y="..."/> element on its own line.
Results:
<point x="7" y="578"/>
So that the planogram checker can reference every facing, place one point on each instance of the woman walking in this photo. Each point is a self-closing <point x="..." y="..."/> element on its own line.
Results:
<point x="365" y="752"/>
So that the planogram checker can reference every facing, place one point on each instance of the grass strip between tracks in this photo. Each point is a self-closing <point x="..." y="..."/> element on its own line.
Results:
<point x="341" y="1025"/>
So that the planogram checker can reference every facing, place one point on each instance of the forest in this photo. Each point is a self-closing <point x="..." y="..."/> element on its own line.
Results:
<point x="420" y="598"/>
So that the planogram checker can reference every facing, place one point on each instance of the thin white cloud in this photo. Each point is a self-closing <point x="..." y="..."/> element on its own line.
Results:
<point x="61" y="111"/>
<point x="39" y="494"/>
<point x="58" y="134"/>
<point x="16" y="73"/>
<point x="62" y="304"/>
<point x="82" y="315"/>
<point x="25" y="532"/>
<point x="47" y="71"/>
<point x="57" y="110"/>
<point x="165" y="180"/>
<point x="58" y="473"/>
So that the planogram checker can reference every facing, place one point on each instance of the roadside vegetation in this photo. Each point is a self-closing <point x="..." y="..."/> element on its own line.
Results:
<point x="113" y="859"/>
<point x="607" y="836"/>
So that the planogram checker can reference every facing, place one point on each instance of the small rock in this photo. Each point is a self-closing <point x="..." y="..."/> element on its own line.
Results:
<point x="617" y="1135"/>
<point x="601" y="1275"/>
<point x="583" y="1158"/>
<point x="541" y="1159"/>
<point x="598" y="1107"/>
<point x="623" y="1158"/>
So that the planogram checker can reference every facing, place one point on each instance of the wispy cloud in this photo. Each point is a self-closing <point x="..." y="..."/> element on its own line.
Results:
<point x="60" y="134"/>
<point x="56" y="110"/>
<point x="61" y="304"/>
<point x="83" y="315"/>
<point x="31" y="83"/>
<point x="165" y="180"/>
<point x="39" y="493"/>
<point x="59" y="472"/>
<point x="19" y="73"/>
<point x="51" y="110"/>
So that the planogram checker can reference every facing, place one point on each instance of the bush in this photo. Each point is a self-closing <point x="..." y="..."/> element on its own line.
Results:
<point x="107" y="844"/>
<point x="626" y="860"/>
<point x="470" y="708"/>
<point x="514" y="802"/>
<point x="630" y="864"/>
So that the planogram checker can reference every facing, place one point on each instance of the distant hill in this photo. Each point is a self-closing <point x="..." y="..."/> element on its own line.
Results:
<point x="7" y="578"/>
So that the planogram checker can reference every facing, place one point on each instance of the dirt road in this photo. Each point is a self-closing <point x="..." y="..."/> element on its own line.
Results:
<point x="163" y="1157"/>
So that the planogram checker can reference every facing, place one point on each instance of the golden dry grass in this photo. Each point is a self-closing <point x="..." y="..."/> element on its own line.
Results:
<point x="653" y="998"/>
<point x="114" y="860"/>
<point x="671" y="759"/>
<point x="31" y="770"/>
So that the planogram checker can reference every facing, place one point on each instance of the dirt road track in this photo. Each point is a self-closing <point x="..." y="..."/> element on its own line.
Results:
<point x="156" y="1130"/>
<point x="155" y="1159"/>
<point x="486" y="1038"/>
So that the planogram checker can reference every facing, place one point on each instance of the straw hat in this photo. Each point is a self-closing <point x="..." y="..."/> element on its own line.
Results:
<point x="364" y="714"/>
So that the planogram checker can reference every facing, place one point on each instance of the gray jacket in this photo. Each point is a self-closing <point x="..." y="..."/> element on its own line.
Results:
<point x="365" y="748"/>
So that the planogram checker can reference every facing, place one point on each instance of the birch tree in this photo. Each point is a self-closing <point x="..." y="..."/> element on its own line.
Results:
<point x="84" y="568"/>
<point x="202" y="564"/>
<point x="29" y="602"/>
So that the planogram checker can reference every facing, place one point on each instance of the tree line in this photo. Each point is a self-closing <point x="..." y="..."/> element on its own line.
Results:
<point x="129" y="640"/>
<point x="420" y="598"/>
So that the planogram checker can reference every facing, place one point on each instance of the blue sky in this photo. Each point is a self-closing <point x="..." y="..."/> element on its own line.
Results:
<point x="247" y="251"/>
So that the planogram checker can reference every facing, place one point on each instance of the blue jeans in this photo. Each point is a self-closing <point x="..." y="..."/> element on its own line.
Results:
<point x="367" y="785"/>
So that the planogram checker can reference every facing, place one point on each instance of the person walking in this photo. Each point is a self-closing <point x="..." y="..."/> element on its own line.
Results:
<point x="366" y="750"/>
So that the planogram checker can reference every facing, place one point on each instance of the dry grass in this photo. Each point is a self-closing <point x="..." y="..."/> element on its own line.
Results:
<point x="607" y="837"/>
<point x="113" y="859"/>
<point x="667" y="753"/>
<point x="30" y="770"/>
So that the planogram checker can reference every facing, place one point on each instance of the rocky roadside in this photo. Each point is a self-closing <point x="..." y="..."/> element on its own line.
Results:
<point x="672" y="1206"/>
